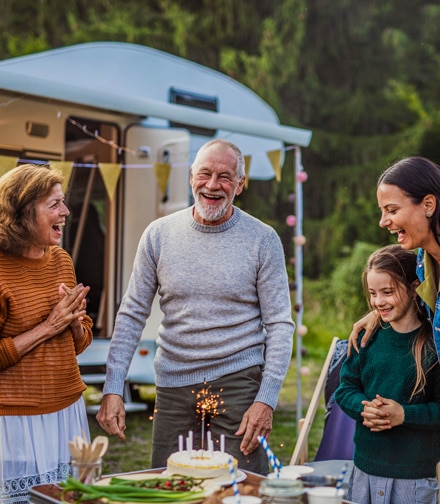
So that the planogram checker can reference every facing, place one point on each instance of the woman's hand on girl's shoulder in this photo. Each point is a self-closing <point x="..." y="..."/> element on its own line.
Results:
<point x="367" y="323"/>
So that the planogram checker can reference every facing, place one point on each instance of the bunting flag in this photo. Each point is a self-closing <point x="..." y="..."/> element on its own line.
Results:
<point x="65" y="167"/>
<point x="110" y="173"/>
<point x="275" y="160"/>
<point x="247" y="167"/>
<point x="7" y="163"/>
<point x="162" y="172"/>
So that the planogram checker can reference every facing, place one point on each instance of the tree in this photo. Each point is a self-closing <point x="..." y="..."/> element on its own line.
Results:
<point x="362" y="75"/>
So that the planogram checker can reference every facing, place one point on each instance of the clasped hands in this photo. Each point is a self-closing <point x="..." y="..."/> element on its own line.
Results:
<point x="70" y="310"/>
<point x="382" y="414"/>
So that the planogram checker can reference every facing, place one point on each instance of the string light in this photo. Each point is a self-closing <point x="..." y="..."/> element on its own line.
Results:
<point x="110" y="143"/>
<point x="97" y="136"/>
<point x="12" y="100"/>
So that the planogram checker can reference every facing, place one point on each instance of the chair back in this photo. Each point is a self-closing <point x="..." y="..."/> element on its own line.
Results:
<point x="337" y="437"/>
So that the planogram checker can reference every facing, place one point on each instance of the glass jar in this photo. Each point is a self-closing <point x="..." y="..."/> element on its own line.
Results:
<point x="281" y="491"/>
<point x="86" y="472"/>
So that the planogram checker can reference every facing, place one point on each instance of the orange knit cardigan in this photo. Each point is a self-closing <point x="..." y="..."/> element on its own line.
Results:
<point x="46" y="379"/>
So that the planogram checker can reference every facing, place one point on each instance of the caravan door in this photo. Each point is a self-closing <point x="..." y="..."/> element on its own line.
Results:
<point x="155" y="183"/>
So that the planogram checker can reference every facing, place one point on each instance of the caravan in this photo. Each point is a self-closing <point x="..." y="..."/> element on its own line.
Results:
<point x="123" y="122"/>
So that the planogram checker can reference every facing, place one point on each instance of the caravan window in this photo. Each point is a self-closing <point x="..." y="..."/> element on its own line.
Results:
<point x="195" y="100"/>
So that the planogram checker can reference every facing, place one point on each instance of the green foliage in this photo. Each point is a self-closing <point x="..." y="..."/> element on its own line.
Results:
<point x="430" y="144"/>
<point x="345" y="292"/>
<point x="362" y="75"/>
<point x="275" y="63"/>
<point x="334" y="303"/>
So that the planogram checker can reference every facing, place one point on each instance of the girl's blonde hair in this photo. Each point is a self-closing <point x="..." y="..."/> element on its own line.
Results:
<point x="20" y="190"/>
<point x="400" y="264"/>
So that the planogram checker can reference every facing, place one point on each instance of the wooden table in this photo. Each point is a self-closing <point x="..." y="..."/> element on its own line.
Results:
<point x="52" y="494"/>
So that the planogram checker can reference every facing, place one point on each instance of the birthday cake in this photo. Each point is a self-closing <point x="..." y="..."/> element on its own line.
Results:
<point x="202" y="464"/>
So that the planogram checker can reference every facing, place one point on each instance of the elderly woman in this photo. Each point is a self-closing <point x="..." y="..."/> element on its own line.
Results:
<point x="43" y="326"/>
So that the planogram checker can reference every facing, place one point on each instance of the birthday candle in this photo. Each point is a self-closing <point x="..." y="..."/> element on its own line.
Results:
<point x="222" y="443"/>
<point x="180" y="442"/>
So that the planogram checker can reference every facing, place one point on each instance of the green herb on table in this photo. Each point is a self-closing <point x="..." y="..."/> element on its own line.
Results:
<point x="172" y="489"/>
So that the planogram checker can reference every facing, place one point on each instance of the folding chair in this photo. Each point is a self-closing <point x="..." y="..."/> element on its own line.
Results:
<point x="336" y="447"/>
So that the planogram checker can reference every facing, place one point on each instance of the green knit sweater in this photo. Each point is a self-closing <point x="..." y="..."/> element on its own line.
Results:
<point x="386" y="366"/>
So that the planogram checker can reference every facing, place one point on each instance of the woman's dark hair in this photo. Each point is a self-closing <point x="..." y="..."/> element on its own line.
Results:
<point x="417" y="177"/>
<point x="400" y="265"/>
<point x="20" y="190"/>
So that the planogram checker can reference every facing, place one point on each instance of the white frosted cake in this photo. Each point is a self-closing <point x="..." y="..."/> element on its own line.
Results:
<point x="201" y="464"/>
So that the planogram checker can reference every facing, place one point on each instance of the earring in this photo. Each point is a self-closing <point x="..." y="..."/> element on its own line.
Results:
<point x="428" y="214"/>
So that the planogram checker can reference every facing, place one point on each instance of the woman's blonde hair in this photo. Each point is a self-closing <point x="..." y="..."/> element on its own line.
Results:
<point x="20" y="190"/>
<point x="400" y="264"/>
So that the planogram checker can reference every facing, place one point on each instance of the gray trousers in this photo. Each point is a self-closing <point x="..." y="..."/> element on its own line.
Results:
<point x="179" y="410"/>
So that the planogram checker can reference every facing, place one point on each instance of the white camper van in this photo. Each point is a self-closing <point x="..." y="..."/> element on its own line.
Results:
<point x="119" y="114"/>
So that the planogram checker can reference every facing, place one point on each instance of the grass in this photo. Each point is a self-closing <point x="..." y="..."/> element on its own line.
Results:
<point x="134" y="453"/>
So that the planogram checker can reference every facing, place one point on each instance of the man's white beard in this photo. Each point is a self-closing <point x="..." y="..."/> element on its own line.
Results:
<point x="210" y="213"/>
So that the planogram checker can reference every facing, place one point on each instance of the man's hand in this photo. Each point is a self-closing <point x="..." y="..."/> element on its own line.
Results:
<point x="257" y="421"/>
<point x="111" y="415"/>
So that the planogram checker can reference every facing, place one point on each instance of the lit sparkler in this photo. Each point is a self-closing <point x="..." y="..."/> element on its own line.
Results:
<point x="207" y="404"/>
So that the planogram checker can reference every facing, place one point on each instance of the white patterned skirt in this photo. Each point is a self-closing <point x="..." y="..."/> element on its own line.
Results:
<point x="34" y="449"/>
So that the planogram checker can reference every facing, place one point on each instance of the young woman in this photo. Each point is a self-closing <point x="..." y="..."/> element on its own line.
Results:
<point x="43" y="326"/>
<point x="408" y="194"/>
<point x="392" y="389"/>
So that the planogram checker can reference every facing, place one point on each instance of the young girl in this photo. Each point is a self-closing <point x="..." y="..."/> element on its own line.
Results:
<point x="392" y="390"/>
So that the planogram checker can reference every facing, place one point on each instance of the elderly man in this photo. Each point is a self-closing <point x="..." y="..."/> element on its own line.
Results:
<point x="227" y="327"/>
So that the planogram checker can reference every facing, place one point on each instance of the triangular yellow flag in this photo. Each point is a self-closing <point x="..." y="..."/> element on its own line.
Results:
<point x="7" y="163"/>
<point x="65" y="167"/>
<point x="162" y="171"/>
<point x="110" y="173"/>
<point x="275" y="159"/>
<point x="247" y="167"/>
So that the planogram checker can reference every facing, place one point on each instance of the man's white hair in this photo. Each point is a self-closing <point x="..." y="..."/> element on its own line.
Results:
<point x="224" y="144"/>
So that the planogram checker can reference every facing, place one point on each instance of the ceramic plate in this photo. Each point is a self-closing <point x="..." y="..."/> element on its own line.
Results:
<point x="241" y="476"/>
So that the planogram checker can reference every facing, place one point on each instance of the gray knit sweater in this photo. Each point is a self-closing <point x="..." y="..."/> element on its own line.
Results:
<point x="225" y="299"/>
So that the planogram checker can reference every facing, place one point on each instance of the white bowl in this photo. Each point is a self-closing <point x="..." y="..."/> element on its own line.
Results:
<point x="291" y="472"/>
<point x="299" y="469"/>
<point x="244" y="499"/>
<point x="324" y="495"/>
